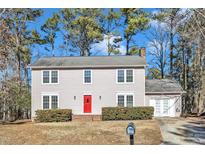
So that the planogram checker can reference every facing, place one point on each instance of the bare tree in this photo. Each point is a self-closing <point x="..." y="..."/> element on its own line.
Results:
<point x="158" y="48"/>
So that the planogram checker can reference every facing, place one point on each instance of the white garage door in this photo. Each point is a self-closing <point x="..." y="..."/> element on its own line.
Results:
<point x="163" y="107"/>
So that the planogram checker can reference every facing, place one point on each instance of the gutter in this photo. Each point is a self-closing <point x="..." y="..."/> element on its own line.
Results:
<point x="171" y="93"/>
<point x="86" y="66"/>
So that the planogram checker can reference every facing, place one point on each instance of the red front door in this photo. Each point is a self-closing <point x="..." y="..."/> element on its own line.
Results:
<point x="87" y="103"/>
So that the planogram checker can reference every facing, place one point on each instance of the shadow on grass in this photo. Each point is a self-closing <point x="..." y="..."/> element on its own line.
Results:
<point x="191" y="132"/>
<point x="168" y="143"/>
<point x="18" y="122"/>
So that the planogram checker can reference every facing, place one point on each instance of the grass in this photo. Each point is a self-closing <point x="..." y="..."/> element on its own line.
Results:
<point x="76" y="132"/>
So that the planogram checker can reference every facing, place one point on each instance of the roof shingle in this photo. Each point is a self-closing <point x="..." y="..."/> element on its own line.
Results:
<point x="89" y="61"/>
<point x="162" y="86"/>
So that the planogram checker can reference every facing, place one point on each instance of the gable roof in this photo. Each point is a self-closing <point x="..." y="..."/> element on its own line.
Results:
<point x="162" y="86"/>
<point x="89" y="62"/>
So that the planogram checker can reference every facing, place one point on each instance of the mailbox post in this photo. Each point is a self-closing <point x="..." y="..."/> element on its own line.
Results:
<point x="131" y="131"/>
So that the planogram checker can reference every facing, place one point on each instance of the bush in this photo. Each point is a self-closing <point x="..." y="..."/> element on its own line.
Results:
<point x="125" y="113"/>
<point x="53" y="115"/>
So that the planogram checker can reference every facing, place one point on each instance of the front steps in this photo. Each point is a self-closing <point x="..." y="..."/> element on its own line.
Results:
<point x="86" y="117"/>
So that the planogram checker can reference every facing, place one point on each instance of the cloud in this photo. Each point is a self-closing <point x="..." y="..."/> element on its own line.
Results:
<point x="182" y="12"/>
<point x="101" y="47"/>
<point x="155" y="23"/>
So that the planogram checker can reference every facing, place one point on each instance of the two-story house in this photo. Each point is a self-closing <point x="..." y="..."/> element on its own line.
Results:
<point x="86" y="84"/>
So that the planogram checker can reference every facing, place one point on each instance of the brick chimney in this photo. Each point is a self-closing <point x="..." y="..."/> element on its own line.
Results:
<point x="142" y="52"/>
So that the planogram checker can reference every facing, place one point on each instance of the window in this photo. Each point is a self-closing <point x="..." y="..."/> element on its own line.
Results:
<point x="129" y="100"/>
<point x="120" y="76"/>
<point x="45" y="76"/>
<point x="54" y="102"/>
<point x="87" y="76"/>
<point x="54" y="76"/>
<point x="45" y="102"/>
<point x="50" y="77"/>
<point x="125" y="76"/>
<point x="125" y="100"/>
<point x="50" y="101"/>
<point x="129" y="75"/>
<point x="121" y="100"/>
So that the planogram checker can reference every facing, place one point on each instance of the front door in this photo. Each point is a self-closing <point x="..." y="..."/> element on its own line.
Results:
<point x="87" y="103"/>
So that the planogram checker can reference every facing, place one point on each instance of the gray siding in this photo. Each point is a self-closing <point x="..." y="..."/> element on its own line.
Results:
<point x="103" y="84"/>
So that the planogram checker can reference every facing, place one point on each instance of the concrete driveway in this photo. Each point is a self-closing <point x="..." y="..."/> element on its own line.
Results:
<point x="182" y="130"/>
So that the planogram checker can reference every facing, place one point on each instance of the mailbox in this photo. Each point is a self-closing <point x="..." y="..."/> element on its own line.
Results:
<point x="130" y="130"/>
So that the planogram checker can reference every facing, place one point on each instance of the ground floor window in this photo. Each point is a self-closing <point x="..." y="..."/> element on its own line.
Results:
<point x="50" y="101"/>
<point x="125" y="100"/>
<point x="46" y="102"/>
<point x="121" y="100"/>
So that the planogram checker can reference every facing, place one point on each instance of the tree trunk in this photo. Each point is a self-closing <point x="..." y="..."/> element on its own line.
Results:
<point x="16" y="113"/>
<point x="127" y="47"/>
<point x="171" y="49"/>
<point x="27" y="114"/>
<point x="4" y="111"/>
<point x="24" y="114"/>
<point x="9" y="115"/>
<point x="52" y="49"/>
<point x="19" y="66"/>
<point x="162" y="72"/>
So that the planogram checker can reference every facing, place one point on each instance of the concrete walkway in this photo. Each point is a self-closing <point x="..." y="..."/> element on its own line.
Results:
<point x="182" y="131"/>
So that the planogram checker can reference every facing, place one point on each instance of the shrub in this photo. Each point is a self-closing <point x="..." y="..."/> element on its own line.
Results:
<point x="125" y="113"/>
<point x="53" y="115"/>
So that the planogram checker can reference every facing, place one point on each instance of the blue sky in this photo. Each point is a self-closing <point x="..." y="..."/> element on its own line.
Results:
<point x="39" y="51"/>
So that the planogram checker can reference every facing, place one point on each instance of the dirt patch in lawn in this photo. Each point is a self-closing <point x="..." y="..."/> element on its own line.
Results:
<point x="76" y="132"/>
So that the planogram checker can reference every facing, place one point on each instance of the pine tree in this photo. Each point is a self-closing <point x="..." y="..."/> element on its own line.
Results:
<point x="81" y="29"/>
<point x="134" y="21"/>
<point x="51" y="27"/>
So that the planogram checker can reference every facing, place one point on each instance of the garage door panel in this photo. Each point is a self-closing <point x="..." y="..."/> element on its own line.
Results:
<point x="172" y="107"/>
<point x="158" y="108"/>
<point x="163" y="107"/>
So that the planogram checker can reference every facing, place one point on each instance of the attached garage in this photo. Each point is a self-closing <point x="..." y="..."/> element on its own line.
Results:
<point x="163" y="107"/>
<point x="165" y="96"/>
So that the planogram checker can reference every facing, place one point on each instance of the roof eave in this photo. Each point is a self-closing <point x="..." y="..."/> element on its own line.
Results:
<point x="79" y="67"/>
<point x="165" y="92"/>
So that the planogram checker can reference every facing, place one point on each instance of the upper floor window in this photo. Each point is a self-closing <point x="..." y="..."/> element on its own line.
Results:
<point x="125" y="76"/>
<point x="120" y="76"/>
<point x="54" y="76"/>
<point x="129" y="75"/>
<point x="87" y="76"/>
<point x="50" y="101"/>
<point x="50" y="77"/>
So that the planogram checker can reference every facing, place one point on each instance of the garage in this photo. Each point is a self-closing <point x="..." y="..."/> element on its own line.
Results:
<point x="165" y="96"/>
<point x="163" y="107"/>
